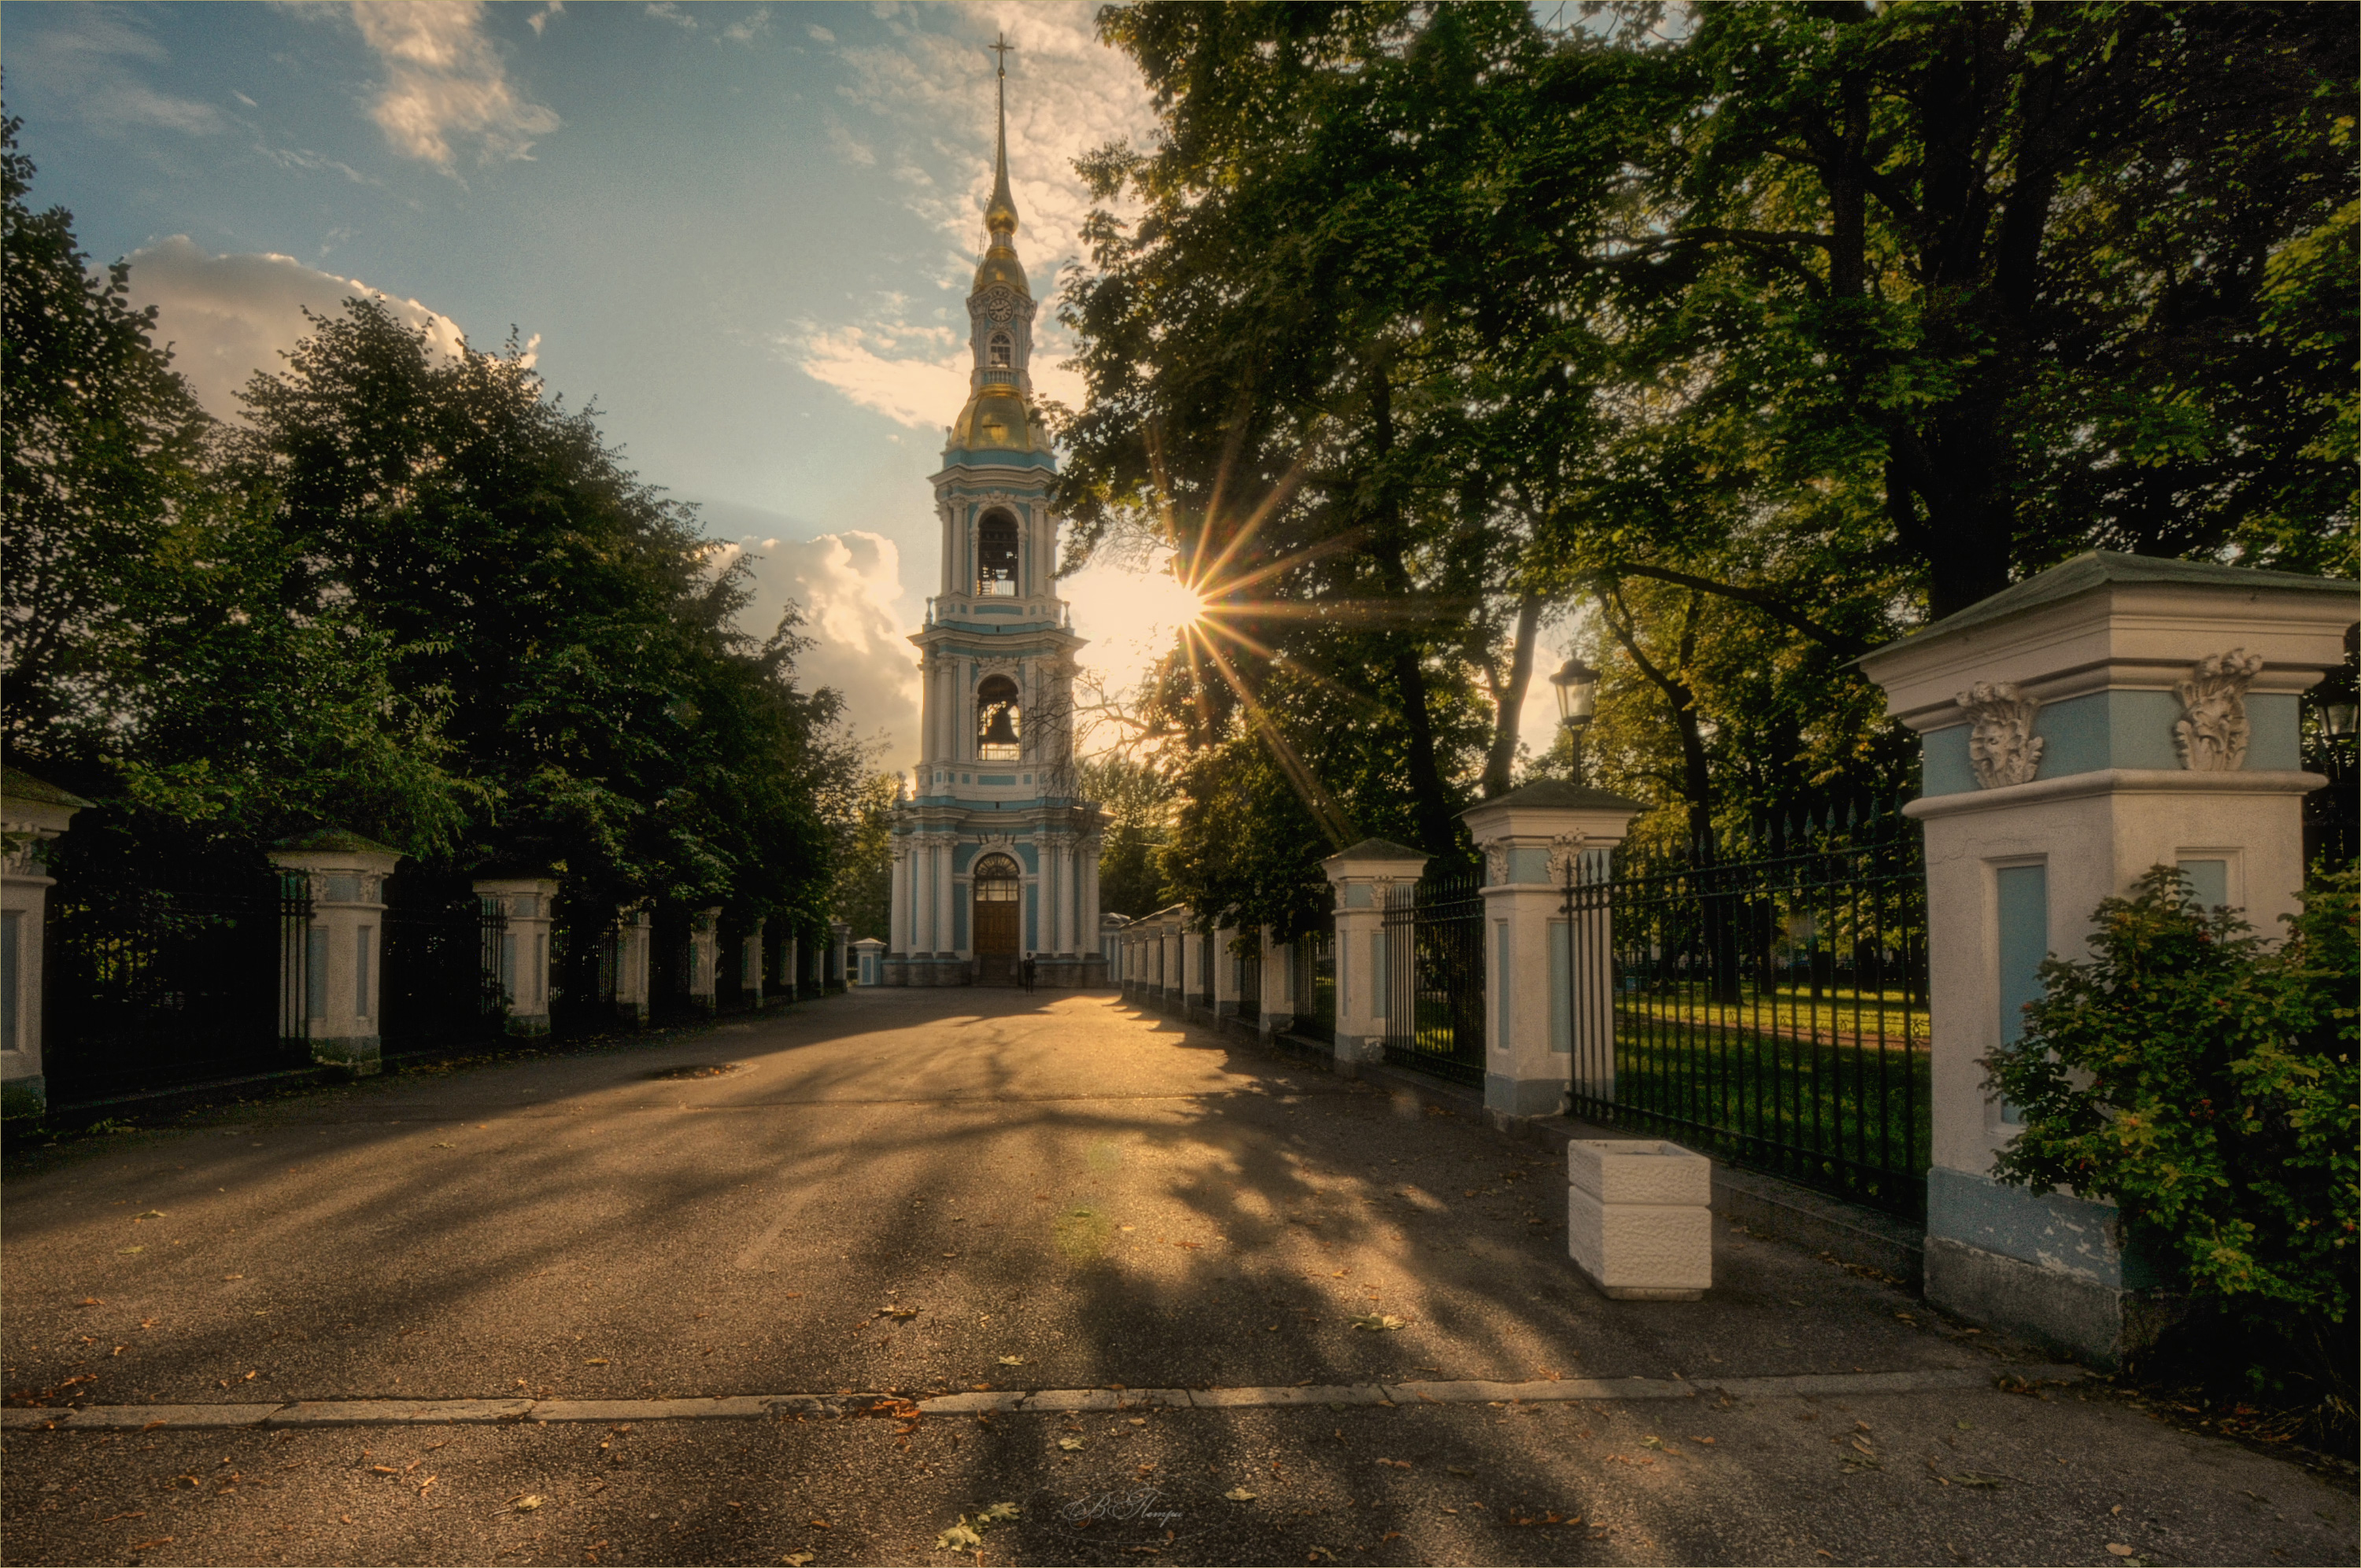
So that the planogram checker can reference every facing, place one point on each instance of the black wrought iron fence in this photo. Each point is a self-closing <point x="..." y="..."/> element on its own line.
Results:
<point x="1250" y="984"/>
<point x="1770" y="1007"/>
<point x="1431" y="976"/>
<point x="1313" y="962"/>
<point x="165" y="971"/>
<point x="440" y="988"/>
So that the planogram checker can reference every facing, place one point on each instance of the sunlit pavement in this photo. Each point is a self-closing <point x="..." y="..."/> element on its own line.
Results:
<point x="930" y="1193"/>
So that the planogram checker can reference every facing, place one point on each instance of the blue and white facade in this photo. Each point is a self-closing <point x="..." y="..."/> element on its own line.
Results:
<point x="995" y="800"/>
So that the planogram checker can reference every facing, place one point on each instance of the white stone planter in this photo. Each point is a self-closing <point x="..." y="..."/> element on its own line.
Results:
<point x="1637" y="1218"/>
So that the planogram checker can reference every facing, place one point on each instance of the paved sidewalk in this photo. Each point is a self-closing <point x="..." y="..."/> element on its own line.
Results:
<point x="897" y="1234"/>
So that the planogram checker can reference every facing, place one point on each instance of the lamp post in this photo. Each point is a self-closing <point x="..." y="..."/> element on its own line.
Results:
<point x="1577" y="700"/>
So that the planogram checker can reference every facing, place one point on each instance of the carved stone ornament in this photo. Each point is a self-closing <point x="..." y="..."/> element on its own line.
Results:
<point x="2001" y="746"/>
<point x="1565" y="855"/>
<point x="1496" y="862"/>
<point x="2212" y="732"/>
<point x="900" y="847"/>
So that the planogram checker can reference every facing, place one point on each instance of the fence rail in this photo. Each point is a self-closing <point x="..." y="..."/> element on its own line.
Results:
<point x="1432" y="975"/>
<point x="1771" y="1008"/>
<point x="202" y="969"/>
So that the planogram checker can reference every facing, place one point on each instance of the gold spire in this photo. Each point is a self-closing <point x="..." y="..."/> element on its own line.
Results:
<point x="999" y="213"/>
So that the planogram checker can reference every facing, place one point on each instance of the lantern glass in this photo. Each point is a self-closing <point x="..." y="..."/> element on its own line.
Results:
<point x="2338" y="717"/>
<point x="1577" y="692"/>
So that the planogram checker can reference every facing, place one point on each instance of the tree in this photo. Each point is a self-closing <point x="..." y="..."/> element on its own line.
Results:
<point x="1136" y="799"/>
<point x="149" y="658"/>
<point x="863" y="892"/>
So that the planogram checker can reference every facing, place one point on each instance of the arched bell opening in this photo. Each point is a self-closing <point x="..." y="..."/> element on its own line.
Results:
<point x="995" y="556"/>
<point x="998" y="721"/>
<point x="1000" y="351"/>
<point x="999" y="893"/>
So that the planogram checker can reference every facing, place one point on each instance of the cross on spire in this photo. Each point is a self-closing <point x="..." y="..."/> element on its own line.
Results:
<point x="1001" y="48"/>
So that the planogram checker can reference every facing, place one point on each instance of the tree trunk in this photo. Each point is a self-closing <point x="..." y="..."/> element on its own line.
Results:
<point x="1509" y="704"/>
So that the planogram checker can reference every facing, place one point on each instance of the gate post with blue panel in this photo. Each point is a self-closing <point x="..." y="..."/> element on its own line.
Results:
<point x="346" y="939"/>
<point x="1363" y="876"/>
<point x="32" y="813"/>
<point x="1530" y="987"/>
<point x="524" y="949"/>
<point x="2113" y="713"/>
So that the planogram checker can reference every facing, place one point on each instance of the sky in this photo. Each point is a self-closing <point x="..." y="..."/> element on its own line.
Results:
<point x="743" y="232"/>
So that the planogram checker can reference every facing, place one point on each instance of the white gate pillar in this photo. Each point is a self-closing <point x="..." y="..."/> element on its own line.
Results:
<point x="839" y="943"/>
<point x="1224" y="986"/>
<point x="524" y="949"/>
<point x="632" y="935"/>
<point x="32" y="813"/>
<point x="1362" y="876"/>
<point x="1276" y="1014"/>
<point x="1533" y="973"/>
<point x="704" y="957"/>
<point x="2112" y="714"/>
<point x="346" y="943"/>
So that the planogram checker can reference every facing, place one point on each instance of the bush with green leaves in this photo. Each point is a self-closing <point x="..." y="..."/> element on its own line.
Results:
<point x="2204" y="1081"/>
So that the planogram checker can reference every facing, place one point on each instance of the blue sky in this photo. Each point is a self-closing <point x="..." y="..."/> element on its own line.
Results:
<point x="746" y="230"/>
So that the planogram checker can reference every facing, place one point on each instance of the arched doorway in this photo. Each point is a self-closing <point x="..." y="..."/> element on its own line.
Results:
<point x="999" y="896"/>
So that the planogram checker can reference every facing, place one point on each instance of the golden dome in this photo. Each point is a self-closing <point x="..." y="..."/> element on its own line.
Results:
<point x="1000" y="266"/>
<point x="996" y="418"/>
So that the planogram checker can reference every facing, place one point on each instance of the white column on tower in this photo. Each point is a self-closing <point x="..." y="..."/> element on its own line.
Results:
<point x="943" y="895"/>
<point x="1061" y="900"/>
<point x="1087" y="871"/>
<point x="897" y="938"/>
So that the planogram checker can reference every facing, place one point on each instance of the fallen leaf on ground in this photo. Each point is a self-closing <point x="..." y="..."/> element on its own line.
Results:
<point x="958" y="1538"/>
<point x="128" y="1250"/>
<point x="998" y="1512"/>
<point x="1652" y="1442"/>
<point x="1459" y="1470"/>
<point x="596" y="1361"/>
<point x="2119" y="1551"/>
<point x="229" y="1276"/>
<point x="1240" y="1495"/>
<point x="529" y="1502"/>
<point x="150" y="1214"/>
<point x="1377" y="1320"/>
<point x="795" y="1558"/>
<point x="1397" y="1463"/>
<point x="1012" y="1361"/>
<point x="384" y="1470"/>
<point x="152" y="1545"/>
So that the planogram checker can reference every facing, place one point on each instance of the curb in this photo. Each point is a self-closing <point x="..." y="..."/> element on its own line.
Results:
<point x="1012" y="1401"/>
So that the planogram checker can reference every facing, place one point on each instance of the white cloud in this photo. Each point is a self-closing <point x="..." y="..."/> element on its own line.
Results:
<point x="747" y="29"/>
<point x="445" y="80"/>
<point x="91" y="59"/>
<point x="228" y="316"/>
<point x="930" y="90"/>
<point x="667" y="11"/>
<point x="848" y="146"/>
<point x="848" y="586"/>
<point x="911" y="375"/>
<point x="815" y="30"/>
<point x="540" y="19"/>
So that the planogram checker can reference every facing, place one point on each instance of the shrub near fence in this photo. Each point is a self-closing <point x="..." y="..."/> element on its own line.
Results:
<point x="1771" y="1007"/>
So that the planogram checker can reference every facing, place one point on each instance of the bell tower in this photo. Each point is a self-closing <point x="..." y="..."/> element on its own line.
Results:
<point x="996" y="858"/>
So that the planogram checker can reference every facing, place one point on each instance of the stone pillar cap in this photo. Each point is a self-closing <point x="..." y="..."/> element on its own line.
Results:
<point x="331" y="849"/>
<point x="2106" y="619"/>
<point x="1549" y="807"/>
<point x="1373" y="858"/>
<point x="26" y="802"/>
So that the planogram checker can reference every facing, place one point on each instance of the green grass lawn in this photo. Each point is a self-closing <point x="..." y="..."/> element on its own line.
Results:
<point x="1853" y="1118"/>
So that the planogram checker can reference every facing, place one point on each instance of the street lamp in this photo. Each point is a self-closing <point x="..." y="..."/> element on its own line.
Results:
<point x="2336" y="718"/>
<point x="1577" y="700"/>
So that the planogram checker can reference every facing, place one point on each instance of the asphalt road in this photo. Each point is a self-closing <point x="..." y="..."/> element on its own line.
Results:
<point x="932" y="1191"/>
